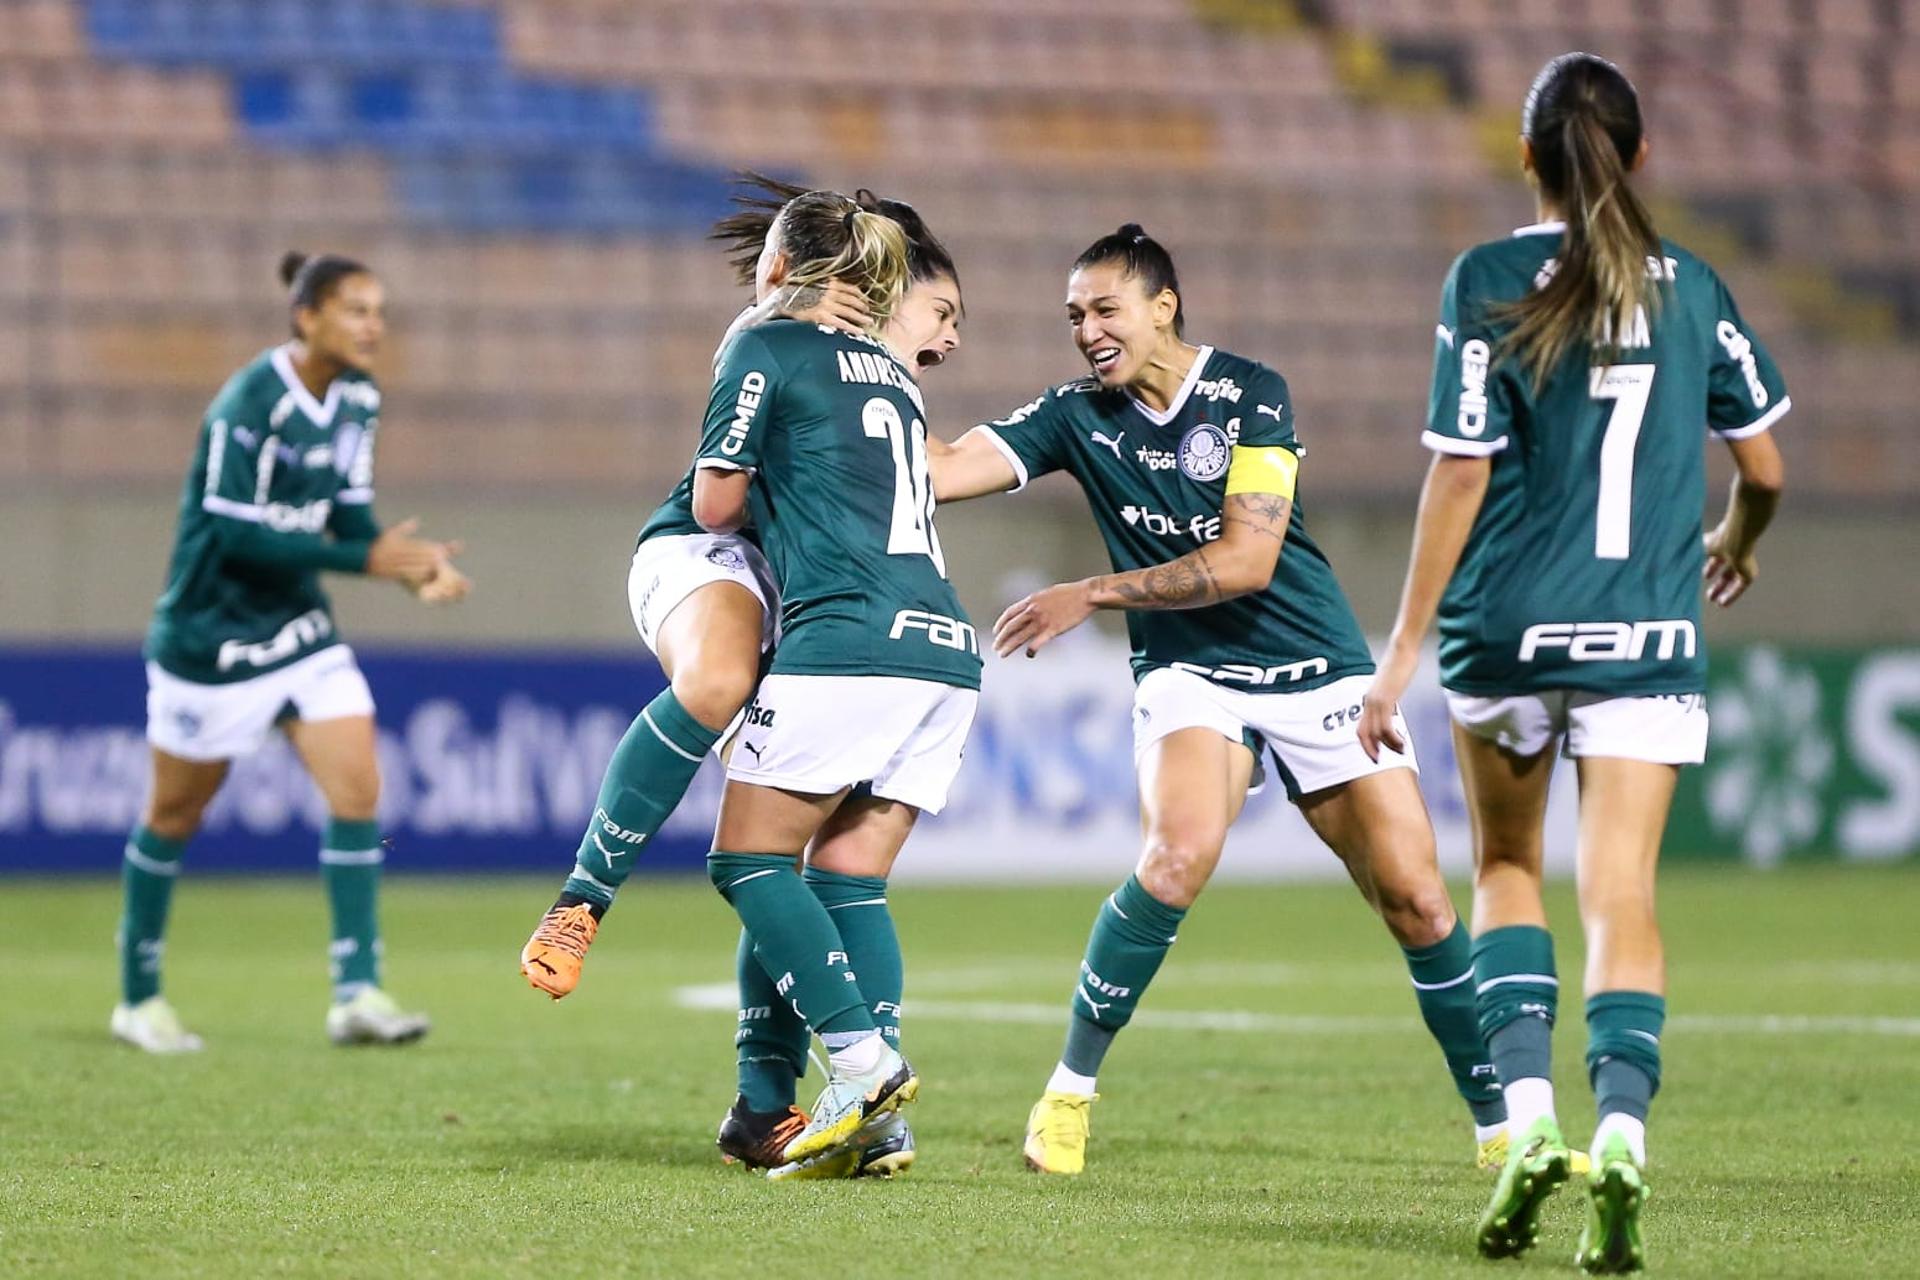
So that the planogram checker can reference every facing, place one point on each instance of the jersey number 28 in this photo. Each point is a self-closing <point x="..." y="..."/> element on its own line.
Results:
<point x="1628" y="386"/>
<point x="911" y="532"/>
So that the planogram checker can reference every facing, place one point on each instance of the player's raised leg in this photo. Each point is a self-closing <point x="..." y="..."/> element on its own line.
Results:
<point x="1516" y="988"/>
<point x="340" y="755"/>
<point x="1192" y="784"/>
<point x="1378" y="826"/>
<point x="709" y="645"/>
<point x="179" y="793"/>
<point x="1623" y="813"/>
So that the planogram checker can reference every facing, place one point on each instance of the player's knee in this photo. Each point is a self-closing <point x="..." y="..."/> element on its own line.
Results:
<point x="1420" y="915"/>
<point x="174" y="817"/>
<point x="356" y="797"/>
<point x="713" y="693"/>
<point x="1175" y="867"/>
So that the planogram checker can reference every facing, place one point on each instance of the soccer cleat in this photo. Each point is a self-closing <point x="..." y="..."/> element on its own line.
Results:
<point x="552" y="958"/>
<point x="1057" y="1132"/>
<point x="1491" y="1156"/>
<point x="373" y="1017"/>
<point x="849" y="1102"/>
<point x="1616" y="1188"/>
<point x="1536" y="1166"/>
<point x="889" y="1152"/>
<point x="154" y="1026"/>
<point x="756" y="1139"/>
<point x="881" y="1148"/>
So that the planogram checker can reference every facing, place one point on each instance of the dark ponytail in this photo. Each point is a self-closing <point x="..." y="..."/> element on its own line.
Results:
<point x="310" y="281"/>
<point x="1142" y="258"/>
<point x="1582" y="118"/>
<point x="761" y="199"/>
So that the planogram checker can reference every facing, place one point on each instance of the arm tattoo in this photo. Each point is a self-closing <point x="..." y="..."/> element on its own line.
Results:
<point x="1263" y="513"/>
<point x="1186" y="583"/>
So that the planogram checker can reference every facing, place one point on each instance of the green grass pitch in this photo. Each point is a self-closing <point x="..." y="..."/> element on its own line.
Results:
<point x="1278" y="1111"/>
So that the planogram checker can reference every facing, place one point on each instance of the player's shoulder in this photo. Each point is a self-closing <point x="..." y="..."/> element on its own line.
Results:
<point x="250" y="392"/>
<point x="1057" y="402"/>
<point x="1686" y="269"/>
<point x="1505" y="265"/>
<point x="1234" y="378"/>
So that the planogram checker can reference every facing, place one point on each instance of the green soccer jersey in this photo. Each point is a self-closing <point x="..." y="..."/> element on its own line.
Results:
<point x="281" y="487"/>
<point x="832" y="426"/>
<point x="1582" y="570"/>
<point x="675" y="516"/>
<point x="1156" y="482"/>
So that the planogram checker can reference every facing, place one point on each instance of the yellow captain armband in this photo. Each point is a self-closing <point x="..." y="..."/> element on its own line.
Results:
<point x="1263" y="469"/>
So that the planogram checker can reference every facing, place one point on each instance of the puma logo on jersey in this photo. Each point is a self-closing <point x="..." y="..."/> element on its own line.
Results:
<point x="1443" y="333"/>
<point x="948" y="633"/>
<point x="1271" y="410"/>
<point x="1111" y="442"/>
<point x="1610" y="641"/>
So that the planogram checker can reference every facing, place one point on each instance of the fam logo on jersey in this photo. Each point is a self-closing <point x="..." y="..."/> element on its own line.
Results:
<point x="1204" y="452"/>
<point x="728" y="558"/>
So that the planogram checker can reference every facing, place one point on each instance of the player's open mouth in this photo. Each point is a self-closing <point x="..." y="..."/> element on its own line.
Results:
<point x="928" y="357"/>
<point x="1104" y="358"/>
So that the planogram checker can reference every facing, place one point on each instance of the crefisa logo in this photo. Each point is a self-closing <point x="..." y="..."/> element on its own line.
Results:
<point x="1204" y="452"/>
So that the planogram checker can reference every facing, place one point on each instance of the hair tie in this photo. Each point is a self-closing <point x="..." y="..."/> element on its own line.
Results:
<point x="847" y="221"/>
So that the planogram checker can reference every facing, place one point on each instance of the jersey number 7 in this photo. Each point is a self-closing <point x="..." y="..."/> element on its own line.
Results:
<point x="1628" y="386"/>
<point x="911" y="531"/>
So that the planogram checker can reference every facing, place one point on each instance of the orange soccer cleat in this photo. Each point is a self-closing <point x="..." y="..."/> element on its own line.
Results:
<point x="552" y="958"/>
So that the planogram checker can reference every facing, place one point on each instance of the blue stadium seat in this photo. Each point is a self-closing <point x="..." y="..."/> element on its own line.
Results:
<point x="474" y="142"/>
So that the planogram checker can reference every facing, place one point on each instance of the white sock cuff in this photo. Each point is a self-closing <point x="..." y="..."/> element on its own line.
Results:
<point x="1065" y="1080"/>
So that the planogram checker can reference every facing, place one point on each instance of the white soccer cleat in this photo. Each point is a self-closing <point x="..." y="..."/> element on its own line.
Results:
<point x="152" y="1025"/>
<point x="373" y="1017"/>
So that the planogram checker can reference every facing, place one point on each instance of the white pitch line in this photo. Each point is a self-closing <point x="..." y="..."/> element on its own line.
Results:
<point x="722" y="996"/>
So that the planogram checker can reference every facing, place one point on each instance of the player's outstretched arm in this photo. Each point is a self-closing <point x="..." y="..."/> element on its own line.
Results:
<point x="1253" y="528"/>
<point x="1450" y="499"/>
<point x="1731" y="563"/>
<point x="970" y="467"/>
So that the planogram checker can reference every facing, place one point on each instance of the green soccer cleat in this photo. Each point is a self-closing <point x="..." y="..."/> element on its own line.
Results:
<point x="1536" y="1166"/>
<point x="1616" y="1189"/>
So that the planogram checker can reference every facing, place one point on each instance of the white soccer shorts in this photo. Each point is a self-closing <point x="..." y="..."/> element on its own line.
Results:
<point x="669" y="568"/>
<point x="1311" y="735"/>
<point x="817" y="734"/>
<point x="1663" y="729"/>
<point x="225" y="721"/>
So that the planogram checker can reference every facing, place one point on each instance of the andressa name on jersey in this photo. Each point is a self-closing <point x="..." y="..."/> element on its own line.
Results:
<point x="875" y="368"/>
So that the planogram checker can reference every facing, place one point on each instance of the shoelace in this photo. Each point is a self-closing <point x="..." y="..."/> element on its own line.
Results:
<point x="571" y="930"/>
<point x="1063" y="1121"/>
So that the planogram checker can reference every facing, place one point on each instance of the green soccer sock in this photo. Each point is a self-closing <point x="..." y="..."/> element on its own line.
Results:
<point x="858" y="905"/>
<point x="770" y="1044"/>
<point x="1130" y="938"/>
<point x="1443" y="984"/>
<point x="149" y="866"/>
<point x="1517" y="993"/>
<point x="350" y="859"/>
<point x="1623" y="1050"/>
<point x="794" y="938"/>
<point x="645" y="781"/>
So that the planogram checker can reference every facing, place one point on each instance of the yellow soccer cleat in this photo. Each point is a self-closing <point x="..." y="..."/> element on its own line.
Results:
<point x="1491" y="1157"/>
<point x="552" y="958"/>
<point x="1057" y="1132"/>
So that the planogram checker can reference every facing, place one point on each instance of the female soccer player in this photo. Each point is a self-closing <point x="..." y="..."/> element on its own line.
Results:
<point x="1559" y="541"/>
<point x="859" y="724"/>
<point x="243" y="639"/>
<point x="1188" y="459"/>
<point x="708" y="607"/>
